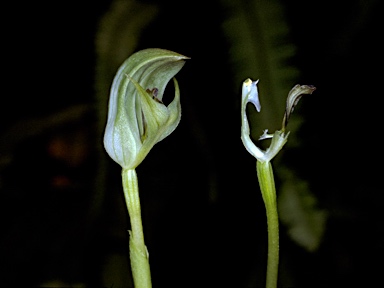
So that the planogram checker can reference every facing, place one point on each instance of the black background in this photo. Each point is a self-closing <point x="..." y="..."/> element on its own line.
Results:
<point x="194" y="241"/>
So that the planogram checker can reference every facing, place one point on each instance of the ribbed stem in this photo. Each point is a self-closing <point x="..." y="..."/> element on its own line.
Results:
<point x="268" y="191"/>
<point x="138" y="251"/>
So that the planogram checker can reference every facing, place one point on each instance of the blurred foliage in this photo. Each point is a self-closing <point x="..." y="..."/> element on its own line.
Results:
<point x="298" y="210"/>
<point x="261" y="48"/>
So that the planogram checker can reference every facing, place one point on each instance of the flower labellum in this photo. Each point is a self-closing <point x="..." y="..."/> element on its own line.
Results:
<point x="249" y="94"/>
<point x="137" y="117"/>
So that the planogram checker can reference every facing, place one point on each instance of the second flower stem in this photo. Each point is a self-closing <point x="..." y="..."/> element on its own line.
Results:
<point x="137" y="249"/>
<point x="268" y="191"/>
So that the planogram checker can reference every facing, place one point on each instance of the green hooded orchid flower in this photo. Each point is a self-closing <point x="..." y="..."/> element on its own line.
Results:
<point x="137" y="117"/>
<point x="137" y="120"/>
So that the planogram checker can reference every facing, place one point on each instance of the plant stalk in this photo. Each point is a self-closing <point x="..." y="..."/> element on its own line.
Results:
<point x="268" y="191"/>
<point x="137" y="250"/>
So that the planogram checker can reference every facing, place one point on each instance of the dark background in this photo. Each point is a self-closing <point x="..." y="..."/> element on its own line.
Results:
<point x="56" y="229"/>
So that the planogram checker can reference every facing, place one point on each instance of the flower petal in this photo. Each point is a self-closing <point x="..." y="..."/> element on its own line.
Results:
<point x="293" y="98"/>
<point x="249" y="94"/>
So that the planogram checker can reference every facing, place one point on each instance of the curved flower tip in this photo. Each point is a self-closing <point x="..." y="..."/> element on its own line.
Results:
<point x="137" y="117"/>
<point x="293" y="98"/>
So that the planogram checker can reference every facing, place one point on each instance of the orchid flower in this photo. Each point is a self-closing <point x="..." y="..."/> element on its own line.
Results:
<point x="137" y="120"/>
<point x="137" y="117"/>
<point x="250" y="94"/>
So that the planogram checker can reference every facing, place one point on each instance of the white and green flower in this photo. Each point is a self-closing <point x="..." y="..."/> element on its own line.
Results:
<point x="250" y="94"/>
<point x="137" y="117"/>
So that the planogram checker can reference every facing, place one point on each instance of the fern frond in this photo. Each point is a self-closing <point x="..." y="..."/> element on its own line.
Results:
<point x="260" y="49"/>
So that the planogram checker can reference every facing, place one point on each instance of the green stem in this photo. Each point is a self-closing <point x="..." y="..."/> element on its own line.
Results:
<point x="137" y="250"/>
<point x="268" y="191"/>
